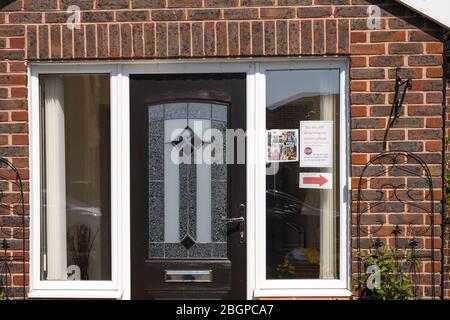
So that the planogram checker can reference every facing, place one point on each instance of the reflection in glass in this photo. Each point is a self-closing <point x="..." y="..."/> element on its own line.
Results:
<point x="76" y="221"/>
<point x="302" y="223"/>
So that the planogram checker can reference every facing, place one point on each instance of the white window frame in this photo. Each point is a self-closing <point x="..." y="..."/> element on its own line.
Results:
<point x="120" y="285"/>
<point x="314" y="287"/>
<point x="74" y="289"/>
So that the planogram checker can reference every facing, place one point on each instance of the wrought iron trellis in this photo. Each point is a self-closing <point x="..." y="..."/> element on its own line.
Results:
<point x="391" y="165"/>
<point x="12" y="229"/>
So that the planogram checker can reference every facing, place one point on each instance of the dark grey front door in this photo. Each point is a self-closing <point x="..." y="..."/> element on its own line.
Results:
<point x="187" y="214"/>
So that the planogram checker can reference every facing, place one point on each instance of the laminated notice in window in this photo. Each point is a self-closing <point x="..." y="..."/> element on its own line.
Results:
<point x="316" y="144"/>
<point x="282" y="145"/>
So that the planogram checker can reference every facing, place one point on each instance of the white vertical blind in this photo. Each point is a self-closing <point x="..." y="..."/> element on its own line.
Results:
<point x="55" y="178"/>
<point x="327" y="220"/>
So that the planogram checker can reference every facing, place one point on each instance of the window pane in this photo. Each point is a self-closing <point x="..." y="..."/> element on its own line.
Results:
<point x="76" y="219"/>
<point x="302" y="196"/>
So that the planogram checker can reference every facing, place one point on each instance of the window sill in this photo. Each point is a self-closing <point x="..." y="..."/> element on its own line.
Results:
<point x="261" y="293"/>
<point x="75" y="294"/>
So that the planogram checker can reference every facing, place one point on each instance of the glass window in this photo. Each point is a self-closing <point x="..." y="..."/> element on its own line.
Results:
<point x="75" y="136"/>
<point x="302" y="194"/>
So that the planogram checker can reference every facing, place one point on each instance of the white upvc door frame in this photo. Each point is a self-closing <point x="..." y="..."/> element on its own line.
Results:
<point x="120" y="285"/>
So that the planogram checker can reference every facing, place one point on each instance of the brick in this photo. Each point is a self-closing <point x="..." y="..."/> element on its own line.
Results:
<point x="55" y="42"/>
<point x="359" y="62"/>
<point x="427" y="134"/>
<point x="358" y="37"/>
<point x="381" y="135"/>
<point x="358" y="111"/>
<point x="100" y="16"/>
<point x="184" y="3"/>
<point x="433" y="146"/>
<point x="12" y="31"/>
<point x="240" y="14"/>
<point x="434" y="123"/>
<point x="11" y="55"/>
<point x="138" y="40"/>
<point x="135" y="15"/>
<point x="358" y="86"/>
<point x="344" y="12"/>
<point x="102" y="40"/>
<point x="422" y="36"/>
<point x="245" y="38"/>
<point x="369" y="147"/>
<point x="112" y="4"/>
<point x="114" y="40"/>
<point x="25" y="17"/>
<point x="331" y="37"/>
<point x="258" y="38"/>
<point x="358" y="135"/>
<point x="382" y="86"/>
<point x="166" y="15"/>
<point x="306" y="37"/>
<point x="91" y="47"/>
<point x="277" y="13"/>
<point x="411" y="146"/>
<point x="221" y="3"/>
<point x="269" y="38"/>
<point x="427" y="85"/>
<point x="367" y="73"/>
<point x="413" y="73"/>
<point x="78" y="41"/>
<point x="203" y="14"/>
<point x="197" y="39"/>
<point x="161" y="39"/>
<point x="367" y="98"/>
<point x="210" y="38"/>
<point x="423" y="111"/>
<point x="386" y="61"/>
<point x="384" y="111"/>
<point x="408" y="123"/>
<point x="185" y="38"/>
<point x="257" y="2"/>
<point x="19" y="92"/>
<point x="434" y="72"/>
<point x="8" y="79"/>
<point x="294" y="38"/>
<point x="56" y="17"/>
<point x="319" y="37"/>
<point x="343" y="36"/>
<point x="425" y="60"/>
<point x="387" y="36"/>
<point x="314" y="12"/>
<point x="126" y="40"/>
<point x="17" y="43"/>
<point x="149" y="39"/>
<point x="294" y="2"/>
<point x="83" y="4"/>
<point x="33" y="5"/>
<point x="20" y="139"/>
<point x="282" y="42"/>
<point x="367" y="49"/>
<point x="173" y="46"/>
<point x="370" y="123"/>
<point x="43" y="42"/>
<point x="67" y="43"/>
<point x="434" y="48"/>
<point x="405" y="48"/>
<point x="141" y="4"/>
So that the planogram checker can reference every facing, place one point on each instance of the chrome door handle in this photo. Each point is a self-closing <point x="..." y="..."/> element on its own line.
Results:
<point x="240" y="220"/>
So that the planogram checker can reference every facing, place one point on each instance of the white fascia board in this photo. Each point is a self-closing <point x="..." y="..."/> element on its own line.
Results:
<point x="436" y="10"/>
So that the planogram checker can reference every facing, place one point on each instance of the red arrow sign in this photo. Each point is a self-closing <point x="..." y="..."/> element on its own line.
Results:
<point x="321" y="180"/>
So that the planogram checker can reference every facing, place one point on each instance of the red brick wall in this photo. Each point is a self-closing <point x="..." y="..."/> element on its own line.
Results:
<point x="145" y="29"/>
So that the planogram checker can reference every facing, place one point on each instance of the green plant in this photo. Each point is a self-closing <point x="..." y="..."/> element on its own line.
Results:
<point x="2" y="296"/>
<point x="393" y="284"/>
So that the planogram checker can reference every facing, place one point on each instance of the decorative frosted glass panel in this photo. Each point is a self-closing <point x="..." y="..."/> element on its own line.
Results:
<point x="185" y="221"/>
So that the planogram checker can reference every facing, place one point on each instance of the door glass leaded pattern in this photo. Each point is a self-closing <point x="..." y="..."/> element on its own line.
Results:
<point x="187" y="194"/>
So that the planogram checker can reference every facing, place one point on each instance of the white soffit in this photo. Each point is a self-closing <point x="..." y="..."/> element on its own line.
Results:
<point x="436" y="10"/>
